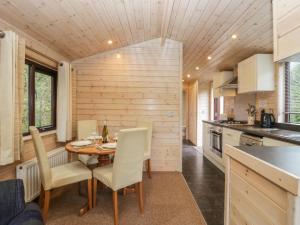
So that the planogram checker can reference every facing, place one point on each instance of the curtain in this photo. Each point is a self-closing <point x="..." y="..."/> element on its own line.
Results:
<point x="12" y="61"/>
<point x="64" y="103"/>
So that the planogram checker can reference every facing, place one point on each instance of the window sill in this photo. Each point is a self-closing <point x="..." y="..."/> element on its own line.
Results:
<point x="29" y="137"/>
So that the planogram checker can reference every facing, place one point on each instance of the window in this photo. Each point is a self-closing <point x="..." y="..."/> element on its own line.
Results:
<point x="292" y="92"/>
<point x="218" y="107"/>
<point x="40" y="85"/>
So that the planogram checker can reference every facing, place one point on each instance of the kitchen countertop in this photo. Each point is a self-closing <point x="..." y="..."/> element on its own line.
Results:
<point x="276" y="133"/>
<point x="281" y="165"/>
<point x="285" y="158"/>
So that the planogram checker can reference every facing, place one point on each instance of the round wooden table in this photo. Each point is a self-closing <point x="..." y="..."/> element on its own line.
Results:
<point x="103" y="159"/>
<point x="103" y="154"/>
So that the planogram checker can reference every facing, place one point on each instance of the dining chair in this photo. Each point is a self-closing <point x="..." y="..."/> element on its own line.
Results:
<point x="59" y="176"/>
<point x="86" y="128"/>
<point x="127" y="168"/>
<point x="147" y="154"/>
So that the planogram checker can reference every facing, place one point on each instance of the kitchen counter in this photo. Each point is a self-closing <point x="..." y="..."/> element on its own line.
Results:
<point x="269" y="176"/>
<point x="284" y="158"/>
<point x="276" y="133"/>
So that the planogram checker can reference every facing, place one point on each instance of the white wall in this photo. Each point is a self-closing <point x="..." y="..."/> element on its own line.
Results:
<point x="203" y="109"/>
<point x="192" y="118"/>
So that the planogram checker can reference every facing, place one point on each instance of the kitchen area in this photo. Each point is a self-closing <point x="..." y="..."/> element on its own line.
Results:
<point x="248" y="128"/>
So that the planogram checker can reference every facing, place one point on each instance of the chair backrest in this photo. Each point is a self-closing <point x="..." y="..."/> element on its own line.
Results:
<point x="129" y="157"/>
<point x="85" y="128"/>
<point x="41" y="155"/>
<point x="147" y="124"/>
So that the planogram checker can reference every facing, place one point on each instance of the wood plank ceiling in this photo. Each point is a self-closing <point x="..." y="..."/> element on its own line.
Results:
<point x="79" y="28"/>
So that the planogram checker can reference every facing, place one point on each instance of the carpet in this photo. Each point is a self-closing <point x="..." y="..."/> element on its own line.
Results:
<point x="167" y="199"/>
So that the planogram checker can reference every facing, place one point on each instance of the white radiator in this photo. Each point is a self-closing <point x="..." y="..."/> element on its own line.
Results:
<point x="29" y="172"/>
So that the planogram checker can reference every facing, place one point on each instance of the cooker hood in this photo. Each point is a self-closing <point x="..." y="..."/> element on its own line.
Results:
<point x="230" y="84"/>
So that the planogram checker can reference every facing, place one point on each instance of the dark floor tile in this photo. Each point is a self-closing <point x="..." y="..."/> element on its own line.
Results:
<point x="206" y="182"/>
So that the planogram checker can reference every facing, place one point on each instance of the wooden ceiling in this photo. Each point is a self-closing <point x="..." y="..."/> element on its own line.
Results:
<point x="79" y="28"/>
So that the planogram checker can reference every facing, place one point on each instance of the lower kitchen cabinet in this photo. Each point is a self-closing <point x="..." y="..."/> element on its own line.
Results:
<point x="231" y="137"/>
<point x="273" y="142"/>
<point x="255" y="194"/>
<point x="206" y="136"/>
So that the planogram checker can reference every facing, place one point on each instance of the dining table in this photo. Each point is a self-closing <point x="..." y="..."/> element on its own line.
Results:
<point x="92" y="149"/>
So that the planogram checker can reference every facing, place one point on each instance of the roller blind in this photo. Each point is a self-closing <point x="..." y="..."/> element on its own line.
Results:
<point x="292" y="92"/>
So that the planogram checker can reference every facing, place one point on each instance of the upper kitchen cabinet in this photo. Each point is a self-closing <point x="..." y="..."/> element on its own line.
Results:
<point x="256" y="74"/>
<point x="219" y="79"/>
<point x="286" y="23"/>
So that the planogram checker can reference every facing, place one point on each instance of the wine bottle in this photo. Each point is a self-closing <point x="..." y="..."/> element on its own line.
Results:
<point x="105" y="133"/>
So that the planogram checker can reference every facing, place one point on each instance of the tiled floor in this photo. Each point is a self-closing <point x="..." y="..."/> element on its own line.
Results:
<point x="206" y="183"/>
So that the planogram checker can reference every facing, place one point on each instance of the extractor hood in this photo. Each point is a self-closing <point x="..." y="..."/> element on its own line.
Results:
<point x="230" y="84"/>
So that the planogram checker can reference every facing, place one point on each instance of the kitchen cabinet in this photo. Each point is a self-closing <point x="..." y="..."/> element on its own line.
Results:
<point x="273" y="142"/>
<point x="220" y="78"/>
<point x="286" y="30"/>
<point x="256" y="192"/>
<point x="206" y="136"/>
<point x="256" y="74"/>
<point x="231" y="137"/>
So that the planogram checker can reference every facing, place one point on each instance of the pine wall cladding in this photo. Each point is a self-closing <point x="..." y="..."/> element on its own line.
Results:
<point x="144" y="82"/>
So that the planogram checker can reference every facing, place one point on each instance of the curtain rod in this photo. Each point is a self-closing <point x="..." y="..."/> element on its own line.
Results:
<point x="51" y="59"/>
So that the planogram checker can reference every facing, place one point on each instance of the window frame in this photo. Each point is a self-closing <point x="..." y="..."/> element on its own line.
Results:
<point x="34" y="67"/>
<point x="287" y="83"/>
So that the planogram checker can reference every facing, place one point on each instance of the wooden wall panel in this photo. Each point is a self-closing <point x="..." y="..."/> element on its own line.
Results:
<point x="145" y="82"/>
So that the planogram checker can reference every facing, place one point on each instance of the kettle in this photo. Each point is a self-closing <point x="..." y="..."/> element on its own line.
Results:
<point x="267" y="120"/>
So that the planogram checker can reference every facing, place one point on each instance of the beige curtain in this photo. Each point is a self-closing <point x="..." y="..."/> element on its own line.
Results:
<point x="12" y="61"/>
<point x="64" y="103"/>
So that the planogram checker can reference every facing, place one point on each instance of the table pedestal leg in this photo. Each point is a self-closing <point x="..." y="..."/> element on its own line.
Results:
<point x="103" y="160"/>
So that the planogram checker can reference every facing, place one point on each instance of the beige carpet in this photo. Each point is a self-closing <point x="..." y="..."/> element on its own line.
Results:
<point x="168" y="201"/>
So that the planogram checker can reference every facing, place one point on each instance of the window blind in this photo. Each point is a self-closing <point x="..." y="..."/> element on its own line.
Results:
<point x="292" y="92"/>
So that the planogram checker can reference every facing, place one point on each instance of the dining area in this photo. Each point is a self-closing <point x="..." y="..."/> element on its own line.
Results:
<point x="109" y="162"/>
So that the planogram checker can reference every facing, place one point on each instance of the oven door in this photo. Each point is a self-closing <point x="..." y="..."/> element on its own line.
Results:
<point x="216" y="142"/>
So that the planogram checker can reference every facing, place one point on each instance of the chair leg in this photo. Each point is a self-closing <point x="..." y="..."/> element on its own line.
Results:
<point x="115" y="203"/>
<point x="42" y="194"/>
<point x="46" y="205"/>
<point x="95" y="182"/>
<point x="90" y="193"/>
<point x="124" y="191"/>
<point x="140" y="197"/>
<point x="149" y="168"/>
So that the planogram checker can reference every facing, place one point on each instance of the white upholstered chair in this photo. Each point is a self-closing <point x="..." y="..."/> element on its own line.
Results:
<point x="85" y="128"/>
<point x="59" y="176"/>
<point x="127" y="168"/>
<point x="147" y="155"/>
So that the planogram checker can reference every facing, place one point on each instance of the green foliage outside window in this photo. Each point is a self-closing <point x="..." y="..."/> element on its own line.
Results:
<point x="39" y="92"/>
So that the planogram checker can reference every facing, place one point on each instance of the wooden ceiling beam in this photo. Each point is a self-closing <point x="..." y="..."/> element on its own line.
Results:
<point x="168" y="8"/>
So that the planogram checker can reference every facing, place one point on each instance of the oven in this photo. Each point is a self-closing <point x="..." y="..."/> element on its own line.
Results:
<point x="216" y="140"/>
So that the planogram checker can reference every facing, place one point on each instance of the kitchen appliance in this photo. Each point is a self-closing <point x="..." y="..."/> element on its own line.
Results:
<point x="216" y="140"/>
<point x="267" y="120"/>
<point x="250" y="140"/>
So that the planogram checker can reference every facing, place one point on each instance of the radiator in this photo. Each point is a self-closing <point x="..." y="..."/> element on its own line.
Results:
<point x="29" y="172"/>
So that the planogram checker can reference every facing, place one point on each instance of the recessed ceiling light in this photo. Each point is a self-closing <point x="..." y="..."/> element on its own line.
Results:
<point x="197" y="68"/>
<point x="109" y="42"/>
<point x="182" y="80"/>
<point x="118" y="56"/>
<point x="234" y="36"/>
<point x="188" y="76"/>
<point x="209" y="57"/>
